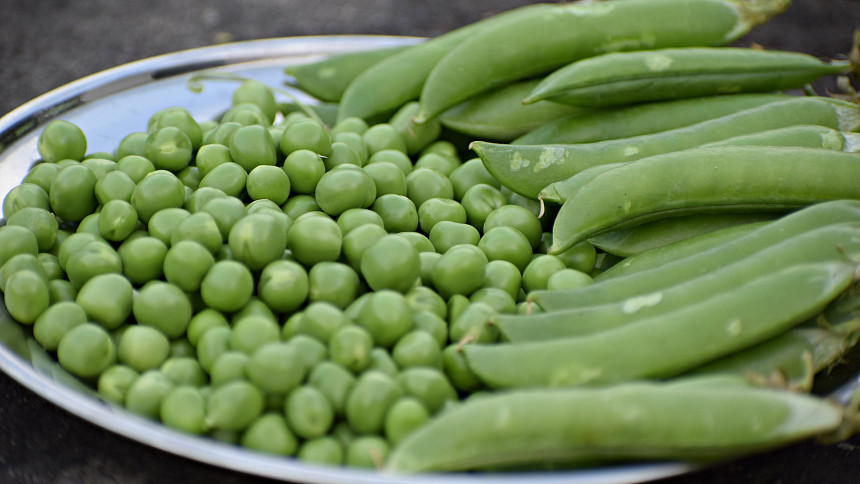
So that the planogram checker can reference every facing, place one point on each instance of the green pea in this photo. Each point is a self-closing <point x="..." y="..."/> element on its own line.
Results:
<point x="229" y="177"/>
<point x="234" y="405"/>
<point x="180" y="118"/>
<point x="308" y="412"/>
<point x="506" y="243"/>
<point x="536" y="275"/>
<point x="225" y="211"/>
<point x="383" y="136"/>
<point x="322" y="451"/>
<point x="42" y="174"/>
<point x="183" y="370"/>
<point x="94" y="258"/>
<point x="25" y="195"/>
<point x="40" y="222"/>
<point x="163" y="223"/>
<point x="146" y="393"/>
<point x="398" y="158"/>
<point x="227" y="286"/>
<point x="390" y="263"/>
<point x="419" y="241"/>
<point x="431" y="323"/>
<point x="86" y="350"/>
<point x="252" y="146"/>
<point x="143" y="348"/>
<point x="341" y="189"/>
<point x="566" y="279"/>
<point x="481" y="200"/>
<point x="114" y="382"/>
<point x="51" y="264"/>
<point x="459" y="271"/>
<point x="298" y="205"/>
<point x="381" y="361"/>
<point x="306" y="135"/>
<point x="436" y="210"/>
<point x="257" y="93"/>
<point x="474" y="324"/>
<point x="184" y="408"/>
<point x="186" y="263"/>
<point x="498" y="299"/>
<point x="399" y="213"/>
<point x="276" y="368"/>
<point x="352" y="124"/>
<point x="107" y="299"/>
<point x="190" y="176"/>
<point x="90" y="224"/>
<point x="158" y="190"/>
<point x="55" y="321"/>
<point x="457" y="369"/>
<point x="335" y="382"/>
<point x="367" y="451"/>
<point x="117" y="220"/>
<point x="163" y="306"/>
<point x="252" y="332"/>
<point x="581" y="257"/>
<point x="342" y="154"/>
<point x="72" y="193"/>
<point x="61" y="140"/>
<point x="422" y="298"/>
<point x="387" y="178"/>
<point x="321" y="320"/>
<point x="417" y="348"/>
<point x="16" y="240"/>
<point x="222" y="133"/>
<point x="257" y="239"/>
<point x="19" y="263"/>
<point x="26" y="296"/>
<point x="304" y="169"/>
<point x="416" y="136"/>
<point x="61" y="290"/>
<point x="116" y="185"/>
<point x="429" y="385"/>
<point x="368" y="402"/>
<point x="517" y="217"/>
<point x="423" y="184"/>
<point x="99" y="166"/>
<point x="143" y="259"/>
<point x="386" y="316"/>
<point x="283" y="285"/>
<point x="446" y="234"/>
<point x="469" y="174"/>
<point x="311" y="351"/>
<point x="268" y="182"/>
<point x="404" y="417"/>
<point x="202" y="321"/>
<point x="349" y="346"/>
<point x="356" y="217"/>
<point x="213" y="343"/>
<point x="229" y="366"/>
<point x="245" y="114"/>
<point x="270" y="434"/>
<point x="168" y="148"/>
<point x="135" y="166"/>
<point x="441" y="163"/>
<point x="315" y="239"/>
<point x="333" y="282"/>
<point x="210" y="156"/>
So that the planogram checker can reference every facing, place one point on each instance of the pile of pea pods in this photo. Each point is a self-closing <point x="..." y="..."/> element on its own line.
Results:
<point x="652" y="255"/>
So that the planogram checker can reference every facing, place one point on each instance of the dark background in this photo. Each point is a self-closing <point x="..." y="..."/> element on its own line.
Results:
<point x="47" y="43"/>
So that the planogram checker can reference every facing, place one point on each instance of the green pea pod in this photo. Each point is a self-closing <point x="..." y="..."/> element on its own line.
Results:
<point x="833" y="243"/>
<point x="499" y="115"/>
<point x="731" y="320"/>
<point x="327" y="79"/>
<point x="675" y="266"/>
<point x="528" y="169"/>
<point x="672" y="422"/>
<point x="540" y="41"/>
<point x="398" y="79"/>
<point x="620" y="78"/>
<point x="652" y="235"/>
<point x="724" y="179"/>
<point x="639" y="119"/>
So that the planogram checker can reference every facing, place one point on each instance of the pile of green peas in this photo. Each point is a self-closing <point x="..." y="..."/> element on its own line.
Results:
<point x="270" y="281"/>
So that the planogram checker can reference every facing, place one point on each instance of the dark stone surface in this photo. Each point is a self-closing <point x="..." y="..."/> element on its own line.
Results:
<point x="47" y="43"/>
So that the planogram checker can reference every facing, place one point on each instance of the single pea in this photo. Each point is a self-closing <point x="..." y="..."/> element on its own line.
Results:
<point x="333" y="282"/>
<point x="190" y="176"/>
<point x="268" y="182"/>
<point x="311" y="351"/>
<point x="323" y="451"/>
<point x="276" y="368"/>
<point x="199" y="198"/>
<point x="16" y="240"/>
<point x="179" y="117"/>
<point x="356" y="242"/>
<point x="51" y="264"/>
<point x="229" y="366"/>
<point x="61" y="140"/>
<point x="143" y="348"/>
<point x="92" y="259"/>
<point x="210" y="156"/>
<point x="423" y="298"/>
<point x="386" y="316"/>
<point x="306" y="135"/>
<point x="168" y="148"/>
<point x="443" y="147"/>
<point x="404" y="417"/>
<point x="567" y="279"/>
<point x="252" y="146"/>
<point x="356" y="217"/>
<point x="441" y="163"/>
<point x="258" y="93"/>
<point x="245" y="114"/>
<point x="55" y="321"/>
<point x="99" y="166"/>
<point x="158" y="190"/>
<point x="42" y="223"/>
<point x="254" y="307"/>
<point x="387" y="177"/>
<point x="457" y="369"/>
<point x="225" y="211"/>
<point x="481" y="200"/>
<point x="304" y="169"/>
<point x="203" y="321"/>
<point x="498" y="299"/>
<point x="298" y="205"/>
<point x="211" y="344"/>
<point x="257" y="239"/>
<point x="72" y="193"/>
<point x="221" y="134"/>
<point x="146" y="393"/>
<point x="163" y="306"/>
<point x="395" y="157"/>
<point x="308" y="412"/>
<point x="143" y="259"/>
<point x="351" y="124"/>
<point x="335" y="382"/>
<point x="107" y="299"/>
<point x="519" y="218"/>
<point x="368" y="402"/>
<point x="135" y="166"/>
<point x="227" y="286"/>
<point x="283" y="285"/>
<point x="423" y="184"/>
<point x="229" y="177"/>
<point x="460" y="270"/>
<point x="342" y="154"/>
<point x="431" y="323"/>
<point x="234" y="405"/>
<point x="252" y="332"/>
<point x="61" y="290"/>
<point x="381" y="361"/>
<point x="536" y="275"/>
<point x="186" y="263"/>
<point x="321" y="320"/>
<point x="116" y="185"/>
<point x="25" y="195"/>
<point x="417" y="348"/>
<point x="181" y="348"/>
<point x="383" y="136"/>
<point x="19" y="263"/>
<point x="114" y="382"/>
<point x="163" y="223"/>
<point x="270" y="434"/>
<point x="184" y="370"/>
<point x="390" y="263"/>
<point x="399" y="213"/>
<point x="26" y="296"/>
<point x="581" y="257"/>
<point x="315" y="239"/>
<point x="367" y="451"/>
<point x="469" y="174"/>
<point x="42" y="174"/>
<point x="117" y="220"/>
<point x="350" y="347"/>
<point x="184" y="408"/>
<point x="446" y="234"/>
<point x="341" y="189"/>
<point x="429" y="385"/>
<point x="90" y="224"/>
<point x="436" y="210"/>
<point x="86" y="350"/>
<point x="506" y="243"/>
<point x="419" y="241"/>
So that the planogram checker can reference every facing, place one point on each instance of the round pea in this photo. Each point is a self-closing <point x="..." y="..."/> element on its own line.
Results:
<point x="94" y="258"/>
<point x="252" y="146"/>
<point x="268" y="182"/>
<point x="506" y="243"/>
<point x="114" y="382"/>
<point x="436" y="210"/>
<point x="158" y="190"/>
<point x="446" y="234"/>
<point x="417" y="348"/>
<point x="368" y="402"/>
<point x="61" y="140"/>
<point x="429" y="385"/>
<point x="142" y="348"/>
<point x="498" y="299"/>
<point x="42" y="174"/>
<point x="245" y="114"/>
<point x="322" y="451"/>
<point x="395" y="157"/>
<point x="252" y="332"/>
<point x="25" y="195"/>
<point x="16" y="240"/>
<point x="257" y="239"/>
<point x="536" y="275"/>
<point x="211" y="155"/>
<point x="183" y="370"/>
<point x="304" y="169"/>
<point x="356" y="217"/>
<point x="86" y="350"/>
<point x="146" y="393"/>
<point x="342" y="189"/>
<point x="460" y="270"/>
<point x="335" y="382"/>
<point x="135" y="166"/>
<point x="55" y="321"/>
<point x="72" y="193"/>
<point x="203" y="321"/>
<point x="581" y="257"/>
<point x="469" y="174"/>
<point x="40" y="222"/>
<point x="168" y="148"/>
<point x="308" y="412"/>
<point x="315" y="239"/>
<point x="143" y="259"/>
<point x="116" y="185"/>
<point x="234" y="405"/>
<point x="270" y="434"/>
<point x="225" y="211"/>
<point x="107" y="299"/>
<point x="350" y="347"/>
<point x="391" y="263"/>
<point x="163" y="306"/>
<point x="383" y="136"/>
<point x="117" y="220"/>
<point x="333" y="282"/>
<point x="518" y="218"/>
<point x="566" y="279"/>
<point x="283" y="285"/>
<point x="321" y="320"/>
<point x="433" y="324"/>
<point x="387" y="178"/>
<point x="367" y="451"/>
<point x="399" y="213"/>
<point x="404" y="417"/>
<point x="481" y="200"/>
<point x="441" y="163"/>
<point x="186" y="263"/>
<point x="227" y="286"/>
<point x="386" y="316"/>
<point x="306" y="135"/>
<point x="276" y="368"/>
<point x="423" y="184"/>
<point x="231" y="178"/>
<point x="184" y="408"/>
<point x="422" y="298"/>
<point x="26" y="296"/>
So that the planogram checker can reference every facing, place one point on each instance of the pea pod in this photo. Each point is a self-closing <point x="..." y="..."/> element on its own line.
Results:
<point x="672" y="421"/>
<point x="833" y="243"/>
<point x="328" y="78"/>
<point x="639" y="119"/>
<point x="398" y="79"/>
<point x="620" y="78"/>
<point x="539" y="41"/>
<point x="676" y="266"/>
<point x="732" y="320"/>
<point x="528" y="169"/>
<point x="725" y="179"/>
<point x="499" y="115"/>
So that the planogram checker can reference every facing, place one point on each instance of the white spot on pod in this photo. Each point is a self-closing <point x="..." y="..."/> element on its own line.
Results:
<point x="658" y="62"/>
<point x="634" y="304"/>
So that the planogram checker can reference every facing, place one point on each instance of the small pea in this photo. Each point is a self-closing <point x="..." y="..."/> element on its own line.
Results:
<point x="386" y="316"/>
<point x="390" y="263"/>
<point x="94" y="258"/>
<point x="339" y="190"/>
<point x="184" y="408"/>
<point x="183" y="370"/>
<point x="356" y="217"/>
<point x="383" y="136"/>
<point x="268" y="182"/>
<point x="61" y="140"/>
<point x="395" y="157"/>
<point x="143" y="348"/>
<point x="158" y="190"/>
<point x="257" y="239"/>
<point x="306" y="135"/>
<point x="86" y="350"/>
<point x="308" y="412"/>
<point x="404" y="417"/>
<point x="417" y="348"/>
<point x="423" y="184"/>
<point x="276" y="367"/>
<point x="481" y="200"/>
<point x="55" y="321"/>
<point x="107" y="299"/>
<point x="315" y="239"/>
<point x="367" y="451"/>
<point x="399" y="213"/>
<point x="369" y="401"/>
<point x="135" y="166"/>
<point x="143" y="259"/>
<point x="114" y="382"/>
<point x="436" y="210"/>
<point x="446" y="234"/>
<point x="25" y="195"/>
<point x="270" y="434"/>
<point x="186" y="263"/>
<point x="168" y="148"/>
<point x="163" y="306"/>
<point x="566" y="279"/>
<point x="459" y="271"/>
<point x="234" y="405"/>
<point x="517" y="217"/>
<point x="227" y="286"/>
<point x="469" y="174"/>
<point x="431" y="323"/>
<point x="146" y="393"/>
<point x="333" y="282"/>
<point x="42" y="174"/>
<point x="283" y="285"/>
<point x="536" y="275"/>
<point x="231" y="178"/>
<point x="350" y="347"/>
<point x="116" y="185"/>
<point x="321" y="320"/>
<point x="322" y="451"/>
<point x="429" y="385"/>
<point x="506" y="243"/>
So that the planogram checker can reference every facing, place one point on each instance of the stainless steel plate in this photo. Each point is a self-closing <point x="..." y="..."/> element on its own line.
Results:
<point x="116" y="102"/>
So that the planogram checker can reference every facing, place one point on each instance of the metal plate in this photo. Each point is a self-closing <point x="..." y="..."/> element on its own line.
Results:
<point x="116" y="102"/>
